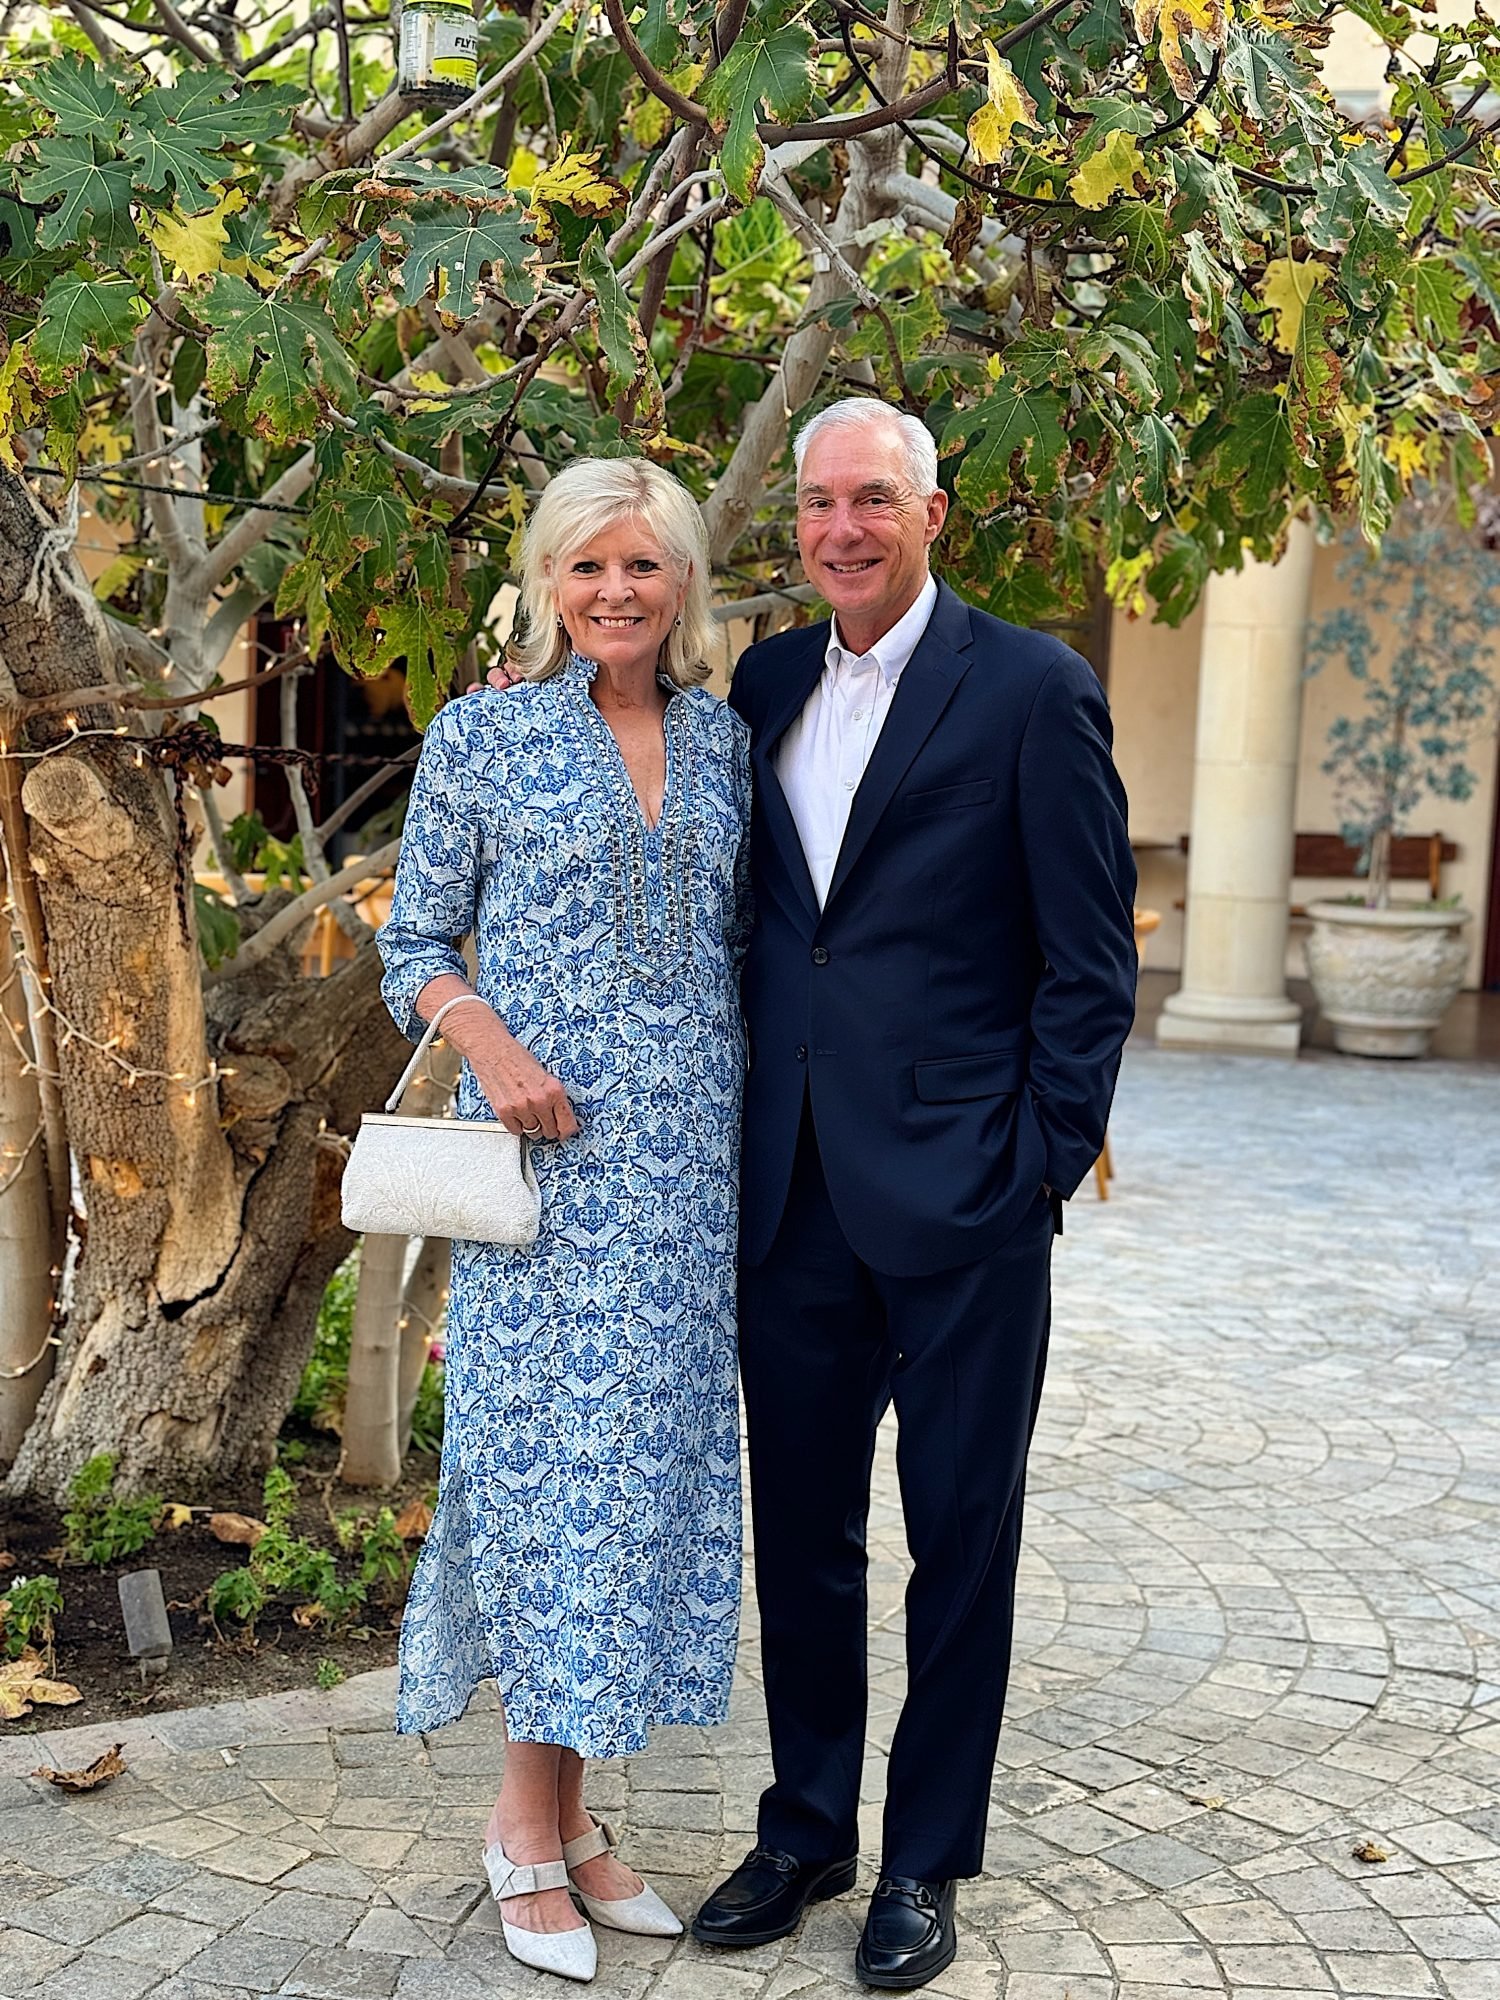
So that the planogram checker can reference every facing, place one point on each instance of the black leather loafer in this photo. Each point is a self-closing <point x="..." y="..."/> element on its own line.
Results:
<point x="909" y="1936"/>
<point x="765" y="1897"/>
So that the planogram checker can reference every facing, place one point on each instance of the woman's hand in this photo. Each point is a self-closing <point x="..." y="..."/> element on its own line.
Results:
<point x="523" y="1095"/>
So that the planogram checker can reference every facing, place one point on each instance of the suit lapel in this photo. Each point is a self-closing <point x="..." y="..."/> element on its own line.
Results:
<point x="924" y="690"/>
<point x="801" y="677"/>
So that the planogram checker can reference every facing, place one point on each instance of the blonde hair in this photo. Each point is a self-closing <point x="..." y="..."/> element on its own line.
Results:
<point x="585" y="500"/>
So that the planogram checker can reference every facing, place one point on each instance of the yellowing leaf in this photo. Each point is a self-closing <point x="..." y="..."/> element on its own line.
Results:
<point x="175" y="1514"/>
<point x="195" y="244"/>
<point x="1208" y="19"/>
<point x="99" y="443"/>
<point x="1124" y="582"/>
<point x="22" y="1682"/>
<point x="1007" y="105"/>
<point x="111" y="580"/>
<point x="574" y="182"/>
<point x="438" y="394"/>
<point x="18" y="403"/>
<point x="1110" y="171"/>
<point x="1408" y="453"/>
<point x="523" y="169"/>
<point x="1286" y="288"/>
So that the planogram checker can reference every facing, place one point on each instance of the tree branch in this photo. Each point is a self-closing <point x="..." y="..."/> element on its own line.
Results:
<point x="341" y="815"/>
<point x="151" y="441"/>
<point x="182" y="34"/>
<point x="276" y="930"/>
<point x="646" y="70"/>
<point x="251" y="529"/>
<point x="105" y="43"/>
<point x="348" y="919"/>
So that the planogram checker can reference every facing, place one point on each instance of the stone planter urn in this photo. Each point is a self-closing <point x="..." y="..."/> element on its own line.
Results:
<point x="1385" y="978"/>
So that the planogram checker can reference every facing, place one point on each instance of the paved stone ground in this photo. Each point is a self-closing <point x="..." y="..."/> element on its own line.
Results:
<point x="1261" y="1625"/>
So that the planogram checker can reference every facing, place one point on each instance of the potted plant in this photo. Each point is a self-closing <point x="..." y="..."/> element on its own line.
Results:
<point x="1418" y="639"/>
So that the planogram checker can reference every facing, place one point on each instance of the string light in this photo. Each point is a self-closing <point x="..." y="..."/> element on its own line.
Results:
<point x="132" y="1073"/>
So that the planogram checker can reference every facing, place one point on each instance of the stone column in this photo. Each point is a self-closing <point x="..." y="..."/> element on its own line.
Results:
<point x="1233" y="993"/>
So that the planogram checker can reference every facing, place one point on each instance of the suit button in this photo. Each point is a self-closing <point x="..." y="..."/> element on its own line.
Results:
<point x="819" y="955"/>
<point x="802" y="1053"/>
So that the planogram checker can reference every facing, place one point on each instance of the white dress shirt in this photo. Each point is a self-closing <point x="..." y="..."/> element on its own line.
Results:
<point x="822" y="757"/>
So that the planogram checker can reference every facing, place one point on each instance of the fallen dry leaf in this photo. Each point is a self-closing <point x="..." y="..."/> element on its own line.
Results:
<point x="238" y="1528"/>
<point x="1209" y="1803"/>
<point x="22" y="1682"/>
<point x="307" y="1615"/>
<point x="414" y="1520"/>
<point x="175" y="1515"/>
<point x="108" y="1764"/>
<point x="1368" y="1851"/>
<point x="7" y="1560"/>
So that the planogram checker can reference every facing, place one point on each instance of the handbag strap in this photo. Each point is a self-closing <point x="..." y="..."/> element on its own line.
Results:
<point x="394" y="1100"/>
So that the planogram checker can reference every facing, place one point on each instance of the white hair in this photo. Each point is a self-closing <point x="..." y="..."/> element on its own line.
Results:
<point x="918" y="447"/>
<point x="587" y="499"/>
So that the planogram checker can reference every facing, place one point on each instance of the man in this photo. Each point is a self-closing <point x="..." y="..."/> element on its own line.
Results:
<point x="941" y="978"/>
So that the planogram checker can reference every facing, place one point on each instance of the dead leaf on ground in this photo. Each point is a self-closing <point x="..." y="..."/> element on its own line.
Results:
<point x="22" y="1682"/>
<point x="175" y="1515"/>
<point x="242" y="1529"/>
<point x="307" y="1615"/>
<point x="108" y="1764"/>
<point x="1208" y="1802"/>
<point x="414" y="1520"/>
<point x="7" y="1560"/>
<point x="1368" y="1851"/>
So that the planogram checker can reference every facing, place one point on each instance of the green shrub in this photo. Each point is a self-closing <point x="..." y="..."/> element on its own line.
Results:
<point x="99" y="1529"/>
<point x="320" y="1394"/>
<point x="427" y="1412"/>
<point x="27" y="1611"/>
<point x="285" y="1567"/>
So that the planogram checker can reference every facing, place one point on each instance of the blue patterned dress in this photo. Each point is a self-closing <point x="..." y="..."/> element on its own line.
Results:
<point x="585" y="1549"/>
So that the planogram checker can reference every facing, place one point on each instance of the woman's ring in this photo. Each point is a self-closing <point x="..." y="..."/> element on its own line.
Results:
<point x="530" y="1131"/>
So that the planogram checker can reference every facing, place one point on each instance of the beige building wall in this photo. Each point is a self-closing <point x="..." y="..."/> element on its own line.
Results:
<point x="1153" y="690"/>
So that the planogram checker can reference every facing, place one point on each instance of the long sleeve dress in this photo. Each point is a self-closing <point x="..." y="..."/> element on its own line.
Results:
<point x="585" y="1547"/>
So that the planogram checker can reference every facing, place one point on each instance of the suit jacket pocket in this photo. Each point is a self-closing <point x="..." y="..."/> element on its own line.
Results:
<point x="952" y="1078"/>
<point x="974" y="792"/>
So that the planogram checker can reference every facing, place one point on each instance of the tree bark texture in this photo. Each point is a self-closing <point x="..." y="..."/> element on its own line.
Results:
<point x="212" y="1211"/>
<point x="26" y="1358"/>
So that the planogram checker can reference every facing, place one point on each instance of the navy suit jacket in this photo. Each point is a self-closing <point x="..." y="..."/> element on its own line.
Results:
<point x="958" y="1007"/>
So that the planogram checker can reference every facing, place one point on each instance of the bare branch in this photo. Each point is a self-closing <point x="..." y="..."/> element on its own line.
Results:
<point x="276" y="930"/>
<point x="251" y="529"/>
<point x="86" y="18"/>
<point x="646" y="70"/>
<point x="182" y="34"/>
<point x="218" y="840"/>
<point x="341" y="815"/>
<point x="152" y="447"/>
<point x="348" y="919"/>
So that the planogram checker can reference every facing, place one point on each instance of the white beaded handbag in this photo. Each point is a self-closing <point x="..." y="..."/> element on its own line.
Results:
<point x="465" y="1178"/>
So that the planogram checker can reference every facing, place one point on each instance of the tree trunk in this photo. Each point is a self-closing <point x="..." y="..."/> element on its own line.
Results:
<point x="377" y="1419"/>
<point x="421" y="1317"/>
<point x="212" y="1202"/>
<point x="26" y="1353"/>
<point x="372" y="1445"/>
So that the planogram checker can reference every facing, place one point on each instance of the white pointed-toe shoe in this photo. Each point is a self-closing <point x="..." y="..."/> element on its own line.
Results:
<point x="570" y="1954"/>
<point x="645" y="1914"/>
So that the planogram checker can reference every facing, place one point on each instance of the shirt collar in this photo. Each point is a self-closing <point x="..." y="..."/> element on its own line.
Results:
<point x="893" y="649"/>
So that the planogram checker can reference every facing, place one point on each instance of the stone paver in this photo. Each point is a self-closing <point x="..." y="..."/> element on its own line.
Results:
<point x="1259" y="1625"/>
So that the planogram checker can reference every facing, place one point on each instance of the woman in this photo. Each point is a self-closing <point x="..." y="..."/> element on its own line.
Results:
<point x="589" y="830"/>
